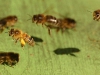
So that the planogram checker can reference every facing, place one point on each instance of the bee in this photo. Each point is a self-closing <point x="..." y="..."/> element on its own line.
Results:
<point x="22" y="37"/>
<point x="43" y="19"/>
<point x="62" y="24"/>
<point x="9" y="58"/>
<point x="7" y="22"/>
<point x="96" y="15"/>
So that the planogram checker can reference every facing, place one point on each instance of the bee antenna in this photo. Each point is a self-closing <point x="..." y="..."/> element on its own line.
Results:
<point x="28" y="19"/>
<point x="89" y="11"/>
<point x="6" y="32"/>
<point x="30" y="16"/>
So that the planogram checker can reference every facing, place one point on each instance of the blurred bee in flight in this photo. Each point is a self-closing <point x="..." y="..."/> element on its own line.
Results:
<point x="9" y="58"/>
<point x="22" y="37"/>
<point x="52" y="22"/>
<point x="7" y="22"/>
<point x="96" y="15"/>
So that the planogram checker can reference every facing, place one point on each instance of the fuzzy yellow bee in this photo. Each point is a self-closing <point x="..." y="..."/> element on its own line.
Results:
<point x="22" y="37"/>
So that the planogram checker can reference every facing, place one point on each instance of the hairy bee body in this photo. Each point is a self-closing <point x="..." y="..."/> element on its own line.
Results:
<point x="21" y="36"/>
<point x="9" y="58"/>
<point x="7" y="22"/>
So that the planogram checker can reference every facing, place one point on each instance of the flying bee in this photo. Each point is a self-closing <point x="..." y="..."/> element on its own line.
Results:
<point x="9" y="58"/>
<point x="96" y="15"/>
<point x="8" y="22"/>
<point x="22" y="37"/>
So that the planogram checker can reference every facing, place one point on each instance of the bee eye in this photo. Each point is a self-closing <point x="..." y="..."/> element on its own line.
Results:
<point x="15" y="19"/>
<point x="35" y="17"/>
<point x="12" y="32"/>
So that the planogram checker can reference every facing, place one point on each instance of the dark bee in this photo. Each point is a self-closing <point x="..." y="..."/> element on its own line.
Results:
<point x="22" y="37"/>
<point x="9" y="58"/>
<point x="7" y="22"/>
<point x="96" y="15"/>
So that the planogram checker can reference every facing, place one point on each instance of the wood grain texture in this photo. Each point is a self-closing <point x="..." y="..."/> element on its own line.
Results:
<point x="41" y="59"/>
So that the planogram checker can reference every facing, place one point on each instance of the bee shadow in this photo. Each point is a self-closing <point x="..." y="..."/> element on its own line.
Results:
<point x="61" y="51"/>
<point x="36" y="39"/>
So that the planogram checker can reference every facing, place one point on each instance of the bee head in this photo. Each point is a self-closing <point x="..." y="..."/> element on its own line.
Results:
<point x="37" y="18"/>
<point x="96" y="14"/>
<point x="12" y="18"/>
<point x="11" y="32"/>
<point x="15" y="18"/>
<point x="16" y="57"/>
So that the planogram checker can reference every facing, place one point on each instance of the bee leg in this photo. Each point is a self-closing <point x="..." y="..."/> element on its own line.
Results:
<point x="43" y="24"/>
<point x="1" y="61"/>
<point x="49" y="31"/>
<point x="37" y="22"/>
<point x="93" y="18"/>
<point x="63" y="29"/>
<point x="98" y="18"/>
<point x="16" y="40"/>
<point x="1" y="30"/>
<point x="7" y="27"/>
<point x="58" y="29"/>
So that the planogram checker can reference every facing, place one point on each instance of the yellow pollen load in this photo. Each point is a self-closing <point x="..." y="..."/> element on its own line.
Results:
<point x="22" y="42"/>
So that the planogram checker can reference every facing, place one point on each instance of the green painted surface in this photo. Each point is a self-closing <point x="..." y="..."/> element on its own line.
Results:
<point x="41" y="59"/>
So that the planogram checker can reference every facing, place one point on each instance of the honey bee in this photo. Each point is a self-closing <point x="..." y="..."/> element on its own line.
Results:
<point x="43" y="19"/>
<point x="96" y="15"/>
<point x="52" y="22"/>
<point x="67" y="23"/>
<point x="9" y="58"/>
<point x="62" y="24"/>
<point x="7" y="22"/>
<point x="22" y="37"/>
